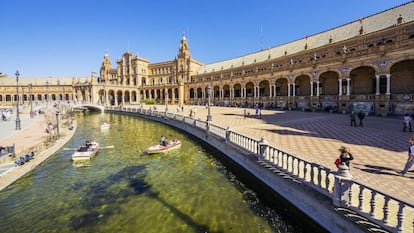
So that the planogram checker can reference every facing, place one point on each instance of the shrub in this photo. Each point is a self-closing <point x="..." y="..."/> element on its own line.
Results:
<point x="150" y="101"/>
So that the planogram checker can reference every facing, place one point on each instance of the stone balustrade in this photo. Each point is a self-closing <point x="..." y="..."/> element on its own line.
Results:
<point x="379" y="208"/>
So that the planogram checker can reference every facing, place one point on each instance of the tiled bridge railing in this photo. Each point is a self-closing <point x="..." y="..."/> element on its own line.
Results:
<point x="391" y="213"/>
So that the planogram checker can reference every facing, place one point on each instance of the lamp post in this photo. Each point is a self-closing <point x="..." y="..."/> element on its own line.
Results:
<point x="208" y="107"/>
<point x="57" y="125"/>
<point x="166" y="101"/>
<point x="104" y="100"/>
<point x="47" y="93"/>
<point x="31" y="103"/>
<point x="17" y="101"/>
<point x="59" y="94"/>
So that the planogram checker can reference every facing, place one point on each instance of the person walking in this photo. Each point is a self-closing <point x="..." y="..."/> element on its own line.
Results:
<point x="361" y="116"/>
<point x="352" y="117"/>
<point x="407" y="122"/>
<point x="410" y="160"/>
<point x="345" y="155"/>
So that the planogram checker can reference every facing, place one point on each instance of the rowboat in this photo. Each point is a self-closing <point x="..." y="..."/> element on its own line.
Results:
<point x="85" y="152"/>
<point x="105" y="126"/>
<point x="172" y="144"/>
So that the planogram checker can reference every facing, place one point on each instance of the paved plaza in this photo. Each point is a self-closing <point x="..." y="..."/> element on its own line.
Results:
<point x="379" y="147"/>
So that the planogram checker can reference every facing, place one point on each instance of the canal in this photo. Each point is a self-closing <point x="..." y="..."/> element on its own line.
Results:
<point x="191" y="189"/>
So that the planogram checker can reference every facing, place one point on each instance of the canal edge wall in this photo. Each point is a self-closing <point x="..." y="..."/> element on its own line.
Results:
<point x="16" y="173"/>
<point x="315" y="205"/>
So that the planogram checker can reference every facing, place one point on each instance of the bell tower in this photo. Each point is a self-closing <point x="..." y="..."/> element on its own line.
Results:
<point x="183" y="67"/>
<point x="105" y="68"/>
<point x="183" y="61"/>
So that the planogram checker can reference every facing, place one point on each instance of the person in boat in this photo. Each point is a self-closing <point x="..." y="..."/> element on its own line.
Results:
<point x="88" y="144"/>
<point x="163" y="141"/>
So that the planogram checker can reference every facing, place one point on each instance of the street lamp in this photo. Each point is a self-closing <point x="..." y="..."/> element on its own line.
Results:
<point x="104" y="100"/>
<point x="31" y="103"/>
<point x="166" y="101"/>
<point x="208" y="107"/>
<point x="59" y="93"/>
<point x="17" y="102"/>
<point x="47" y="93"/>
<point x="57" y="124"/>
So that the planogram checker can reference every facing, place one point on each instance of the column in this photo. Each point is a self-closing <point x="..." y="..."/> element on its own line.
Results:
<point x="317" y="88"/>
<point x="288" y="86"/>
<point x="348" y="86"/>
<point x="340" y="86"/>
<point x="254" y="91"/>
<point x="388" y="84"/>
<point x="377" y="84"/>
<point x="293" y="89"/>
<point x="311" y="84"/>
<point x="271" y="91"/>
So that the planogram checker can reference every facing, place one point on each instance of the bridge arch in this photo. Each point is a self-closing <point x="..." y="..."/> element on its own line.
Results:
<point x="88" y="106"/>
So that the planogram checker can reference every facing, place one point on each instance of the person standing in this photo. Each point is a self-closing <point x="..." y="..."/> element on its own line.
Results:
<point x="195" y="113"/>
<point x="361" y="116"/>
<point x="407" y="122"/>
<point x="410" y="159"/>
<point x="352" y="117"/>
<point x="345" y="155"/>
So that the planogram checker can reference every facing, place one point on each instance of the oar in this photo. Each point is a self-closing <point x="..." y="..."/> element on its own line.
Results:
<point x="103" y="147"/>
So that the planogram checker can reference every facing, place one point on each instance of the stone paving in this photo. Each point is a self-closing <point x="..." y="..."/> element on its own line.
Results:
<point x="379" y="147"/>
<point x="32" y="131"/>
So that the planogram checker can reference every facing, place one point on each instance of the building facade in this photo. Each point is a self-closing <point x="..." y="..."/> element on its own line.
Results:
<point x="365" y="65"/>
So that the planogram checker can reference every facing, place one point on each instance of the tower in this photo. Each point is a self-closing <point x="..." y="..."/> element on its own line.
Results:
<point x="106" y="67"/>
<point x="183" y="67"/>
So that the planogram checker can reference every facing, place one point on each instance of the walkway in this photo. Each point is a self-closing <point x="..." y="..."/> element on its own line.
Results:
<point x="32" y="135"/>
<point x="379" y="147"/>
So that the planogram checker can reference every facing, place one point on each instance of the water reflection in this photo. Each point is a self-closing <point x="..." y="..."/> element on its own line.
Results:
<point x="185" y="190"/>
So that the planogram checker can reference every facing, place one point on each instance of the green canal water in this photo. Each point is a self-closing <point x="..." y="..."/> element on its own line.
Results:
<point x="121" y="190"/>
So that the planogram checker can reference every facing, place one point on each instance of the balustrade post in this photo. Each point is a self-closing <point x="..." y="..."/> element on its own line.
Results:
<point x="207" y="126"/>
<point x="263" y="144"/>
<point x="228" y="134"/>
<point x="342" y="187"/>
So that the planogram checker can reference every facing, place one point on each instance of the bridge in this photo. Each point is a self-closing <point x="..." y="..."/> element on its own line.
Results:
<point x="88" y="106"/>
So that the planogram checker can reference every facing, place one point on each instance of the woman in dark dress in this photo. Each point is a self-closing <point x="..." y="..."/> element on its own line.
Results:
<point x="345" y="155"/>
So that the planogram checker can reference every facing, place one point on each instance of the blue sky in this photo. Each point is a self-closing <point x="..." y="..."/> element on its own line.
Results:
<point x="66" y="38"/>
